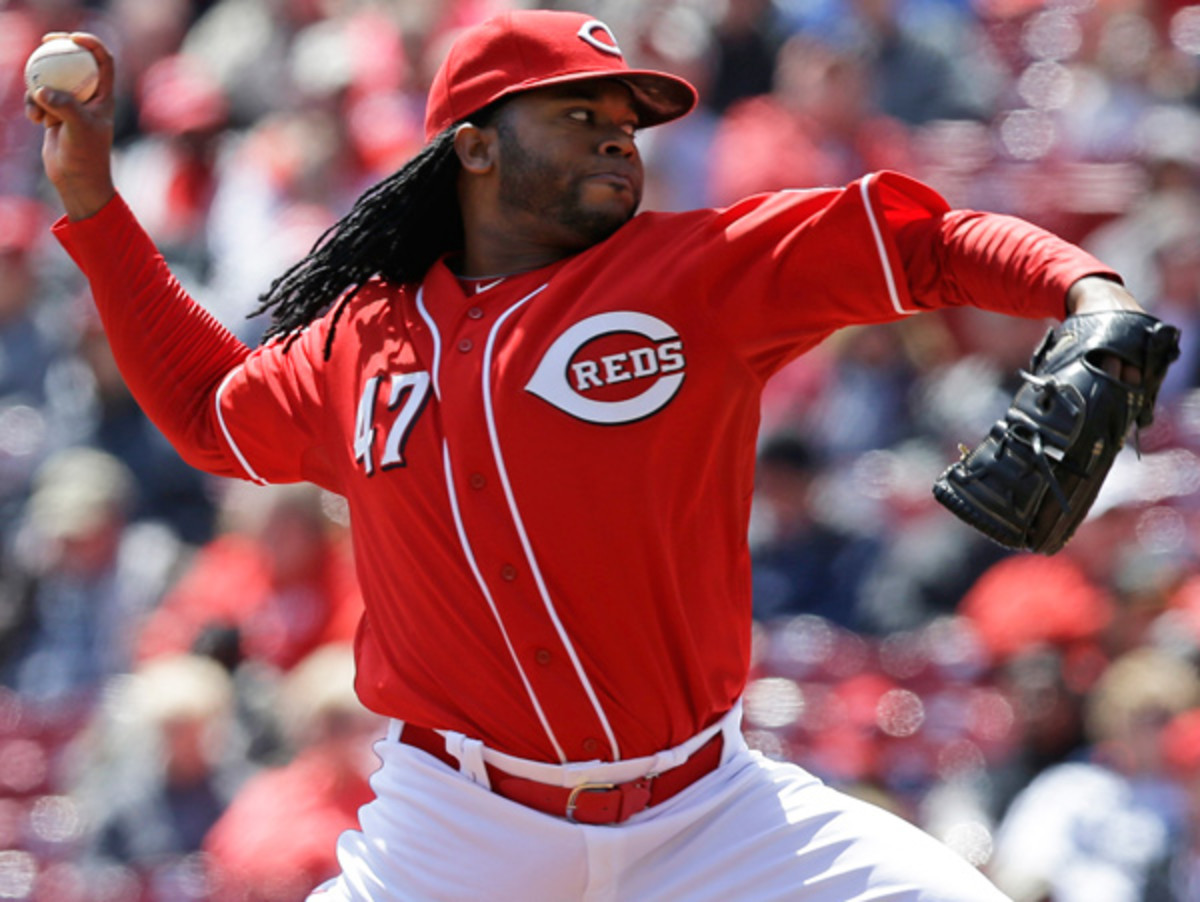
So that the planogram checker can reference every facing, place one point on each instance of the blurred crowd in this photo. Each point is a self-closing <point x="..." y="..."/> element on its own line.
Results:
<point x="176" y="717"/>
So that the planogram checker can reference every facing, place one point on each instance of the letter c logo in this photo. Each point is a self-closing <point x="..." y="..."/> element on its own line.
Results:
<point x="600" y="36"/>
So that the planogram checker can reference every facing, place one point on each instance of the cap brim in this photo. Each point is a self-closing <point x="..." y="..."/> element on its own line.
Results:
<point x="661" y="98"/>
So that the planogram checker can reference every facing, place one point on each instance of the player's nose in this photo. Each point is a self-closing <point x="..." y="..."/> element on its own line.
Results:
<point x="618" y="142"/>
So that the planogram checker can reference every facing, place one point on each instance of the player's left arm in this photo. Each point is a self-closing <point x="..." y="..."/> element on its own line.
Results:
<point x="1003" y="264"/>
<point x="1031" y="481"/>
<point x="1093" y="294"/>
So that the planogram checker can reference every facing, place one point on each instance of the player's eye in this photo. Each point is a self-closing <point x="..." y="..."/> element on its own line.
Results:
<point x="587" y="116"/>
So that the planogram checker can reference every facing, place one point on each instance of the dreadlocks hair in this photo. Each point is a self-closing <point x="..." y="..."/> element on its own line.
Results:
<point x="397" y="229"/>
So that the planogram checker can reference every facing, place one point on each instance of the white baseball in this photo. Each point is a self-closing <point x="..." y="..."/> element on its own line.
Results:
<point x="63" y="65"/>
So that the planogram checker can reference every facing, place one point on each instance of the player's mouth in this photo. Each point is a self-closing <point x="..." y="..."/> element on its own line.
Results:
<point x="615" y="180"/>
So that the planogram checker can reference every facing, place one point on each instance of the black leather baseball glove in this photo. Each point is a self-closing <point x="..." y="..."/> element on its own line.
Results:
<point x="1031" y="481"/>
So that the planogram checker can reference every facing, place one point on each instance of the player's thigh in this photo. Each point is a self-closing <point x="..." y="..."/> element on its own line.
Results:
<point x="772" y="831"/>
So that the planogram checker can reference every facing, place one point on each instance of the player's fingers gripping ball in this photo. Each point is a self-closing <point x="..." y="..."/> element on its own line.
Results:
<point x="63" y="65"/>
<point x="1031" y="482"/>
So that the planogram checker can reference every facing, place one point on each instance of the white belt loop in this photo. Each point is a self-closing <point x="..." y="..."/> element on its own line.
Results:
<point x="731" y="726"/>
<point x="667" y="760"/>
<point x="469" y="753"/>
<point x="394" y="728"/>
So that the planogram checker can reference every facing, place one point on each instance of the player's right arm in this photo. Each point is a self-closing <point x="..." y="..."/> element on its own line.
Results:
<point x="173" y="355"/>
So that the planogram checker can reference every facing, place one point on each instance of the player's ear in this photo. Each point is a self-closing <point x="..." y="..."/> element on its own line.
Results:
<point x="477" y="147"/>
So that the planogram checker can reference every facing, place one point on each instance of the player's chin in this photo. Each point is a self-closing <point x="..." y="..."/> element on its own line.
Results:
<point x="608" y="213"/>
<point x="621" y="195"/>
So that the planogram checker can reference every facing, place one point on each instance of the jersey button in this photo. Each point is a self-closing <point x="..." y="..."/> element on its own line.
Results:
<point x="542" y="656"/>
<point x="465" y="345"/>
<point x="590" y="746"/>
<point x="508" y="573"/>
<point x="477" y="480"/>
<point x="475" y="313"/>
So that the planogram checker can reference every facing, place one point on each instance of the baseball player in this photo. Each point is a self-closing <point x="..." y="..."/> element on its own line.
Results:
<point x="542" y="407"/>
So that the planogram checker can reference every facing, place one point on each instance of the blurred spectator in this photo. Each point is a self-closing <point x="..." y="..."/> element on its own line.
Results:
<point x="346" y="119"/>
<point x="168" y="175"/>
<point x="747" y="37"/>
<point x="914" y="77"/>
<point x="278" y="580"/>
<point x="815" y="128"/>
<point x="155" y="767"/>
<point x="25" y="348"/>
<point x="1025" y="601"/>
<point x="84" y="577"/>
<point x="284" y="183"/>
<point x="31" y="343"/>
<point x="1048" y="694"/>
<point x="278" y="838"/>
<point x="102" y="413"/>
<point x="864" y="401"/>
<point x="1165" y="203"/>
<point x="358" y="61"/>
<point x="802" y="562"/>
<point x="1147" y="585"/>
<point x="1181" y="750"/>
<point x="1182" y="616"/>
<point x="1110" y="78"/>
<point x="245" y="43"/>
<point x="922" y="571"/>
<point x="1176" y="262"/>
<point x="1104" y="827"/>
<point x="142" y="34"/>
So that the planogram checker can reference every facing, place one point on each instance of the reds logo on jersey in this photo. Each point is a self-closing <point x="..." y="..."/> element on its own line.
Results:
<point x="612" y="368"/>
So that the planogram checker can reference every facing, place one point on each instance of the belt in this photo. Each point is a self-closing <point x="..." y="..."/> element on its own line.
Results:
<point x="589" y="803"/>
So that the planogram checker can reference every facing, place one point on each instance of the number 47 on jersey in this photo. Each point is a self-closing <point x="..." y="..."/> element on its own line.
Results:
<point x="406" y="399"/>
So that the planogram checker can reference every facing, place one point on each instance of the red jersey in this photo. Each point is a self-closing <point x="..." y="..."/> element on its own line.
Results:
<point x="549" y="476"/>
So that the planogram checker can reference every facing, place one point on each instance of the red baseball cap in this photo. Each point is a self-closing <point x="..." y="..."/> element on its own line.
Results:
<point x="525" y="49"/>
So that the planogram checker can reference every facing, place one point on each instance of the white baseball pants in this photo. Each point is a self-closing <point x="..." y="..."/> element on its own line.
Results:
<point x="754" y="829"/>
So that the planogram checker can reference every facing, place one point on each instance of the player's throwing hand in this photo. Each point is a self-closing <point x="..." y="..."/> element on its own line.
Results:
<point x="77" y="146"/>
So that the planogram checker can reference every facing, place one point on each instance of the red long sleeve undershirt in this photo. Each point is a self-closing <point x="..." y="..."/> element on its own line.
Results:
<point x="171" y="352"/>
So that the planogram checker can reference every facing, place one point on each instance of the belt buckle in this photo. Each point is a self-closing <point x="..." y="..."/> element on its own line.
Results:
<point x="634" y="797"/>
<point x="573" y="798"/>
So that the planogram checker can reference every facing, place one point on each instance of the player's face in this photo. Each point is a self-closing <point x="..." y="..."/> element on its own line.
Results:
<point x="568" y="160"/>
